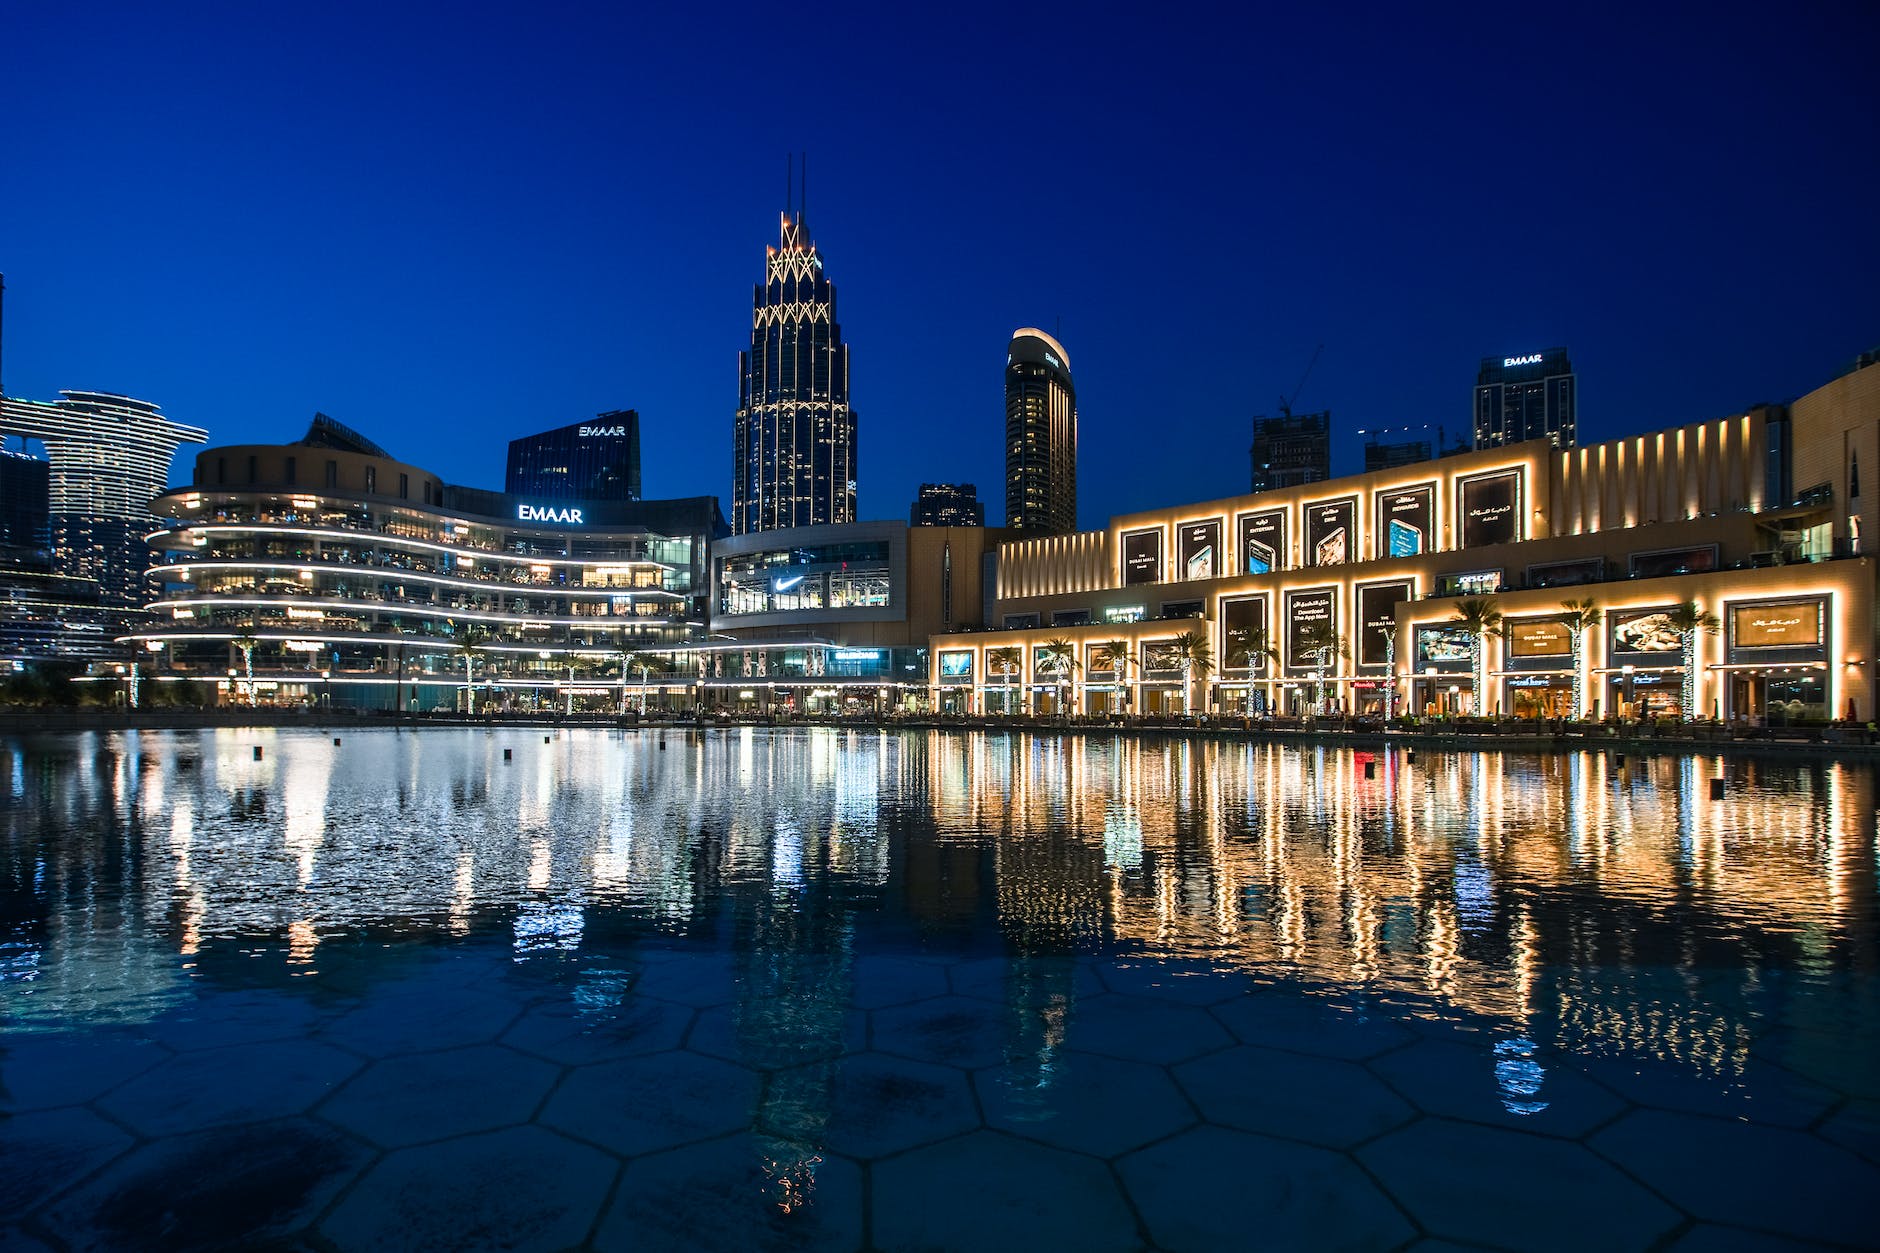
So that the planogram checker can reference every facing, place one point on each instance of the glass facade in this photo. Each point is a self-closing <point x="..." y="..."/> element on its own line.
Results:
<point x="1040" y="436"/>
<point x="598" y="460"/>
<point x="1531" y="396"/>
<point x="827" y="576"/>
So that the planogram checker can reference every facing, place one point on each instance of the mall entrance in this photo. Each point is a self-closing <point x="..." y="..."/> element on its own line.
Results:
<point x="1779" y="697"/>
<point x="1538" y="697"/>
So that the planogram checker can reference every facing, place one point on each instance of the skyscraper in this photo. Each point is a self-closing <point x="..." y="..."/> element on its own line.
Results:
<point x="1291" y="450"/>
<point x="108" y="458"/>
<point x="598" y="460"/>
<point x="794" y="444"/>
<point x="1530" y="396"/>
<point x="1040" y="435"/>
<point x="947" y="504"/>
<point x="25" y="496"/>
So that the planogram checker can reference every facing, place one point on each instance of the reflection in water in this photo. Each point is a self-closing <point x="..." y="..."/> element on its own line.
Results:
<point x="1555" y="903"/>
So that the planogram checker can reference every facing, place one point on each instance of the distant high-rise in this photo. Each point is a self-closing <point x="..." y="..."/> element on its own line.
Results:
<point x="25" y="510"/>
<point x="1530" y="396"/>
<point x="1291" y="450"/>
<point x="794" y="445"/>
<point x="947" y="504"/>
<point x="598" y="460"/>
<point x="107" y="458"/>
<point x="1040" y="435"/>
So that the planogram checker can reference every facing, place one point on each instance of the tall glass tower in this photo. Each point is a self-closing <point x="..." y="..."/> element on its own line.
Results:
<point x="794" y="443"/>
<point x="1040" y="435"/>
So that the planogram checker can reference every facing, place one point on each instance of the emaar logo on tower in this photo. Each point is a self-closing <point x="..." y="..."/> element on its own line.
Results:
<point x="547" y="513"/>
<point x="1533" y="358"/>
<point x="601" y="432"/>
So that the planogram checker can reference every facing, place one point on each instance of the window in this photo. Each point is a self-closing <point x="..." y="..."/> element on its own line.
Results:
<point x="332" y="474"/>
<point x="372" y="480"/>
<point x="289" y="472"/>
<point x="1070" y="617"/>
<point x="254" y="463"/>
<point x="404" y="487"/>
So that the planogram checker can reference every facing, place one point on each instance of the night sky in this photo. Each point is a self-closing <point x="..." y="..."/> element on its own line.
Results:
<point x="451" y="228"/>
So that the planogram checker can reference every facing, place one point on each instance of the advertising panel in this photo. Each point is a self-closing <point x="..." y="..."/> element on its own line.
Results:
<point x="1198" y="549"/>
<point x="1791" y="624"/>
<point x="1311" y="621"/>
<point x="1161" y="657"/>
<point x="1332" y="532"/>
<point x="1490" y="509"/>
<point x="1377" y="620"/>
<point x="1243" y="634"/>
<point x="1644" y="633"/>
<point x="1446" y="648"/>
<point x="1539" y="637"/>
<point x="956" y="665"/>
<point x="1262" y="541"/>
<point x="1406" y="521"/>
<point x="1142" y="557"/>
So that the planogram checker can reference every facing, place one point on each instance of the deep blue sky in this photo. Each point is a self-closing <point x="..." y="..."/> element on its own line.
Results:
<point x="454" y="226"/>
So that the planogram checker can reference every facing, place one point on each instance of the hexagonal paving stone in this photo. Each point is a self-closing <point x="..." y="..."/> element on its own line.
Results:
<point x="1083" y="1101"/>
<point x="1503" y="1083"/>
<point x="1184" y="982"/>
<point x="244" y="1083"/>
<point x="60" y="1068"/>
<point x="47" y="1152"/>
<point x="515" y="1190"/>
<point x="988" y="1191"/>
<point x="878" y="1103"/>
<point x="232" y="1188"/>
<point x="235" y="1018"/>
<point x="948" y="1030"/>
<point x="1763" y="1177"/>
<point x="429" y="1096"/>
<point x="772" y="1035"/>
<point x="1211" y="1188"/>
<point x="1510" y="1188"/>
<point x="738" y="1193"/>
<point x="659" y="1101"/>
<point x="1140" y="1029"/>
<point x="1025" y="980"/>
<point x="884" y="981"/>
<point x="1319" y="1099"/>
<point x="1710" y="1238"/>
<point x="566" y="1033"/>
<point x="695" y="979"/>
<point x="1282" y="1019"/>
<point x="407" y="1019"/>
<point x="1761" y="1094"/>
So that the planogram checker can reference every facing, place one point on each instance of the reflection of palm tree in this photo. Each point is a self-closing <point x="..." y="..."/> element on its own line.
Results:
<point x="1116" y="657"/>
<point x="1059" y="657"/>
<point x="1194" y="658"/>
<point x="1582" y="616"/>
<point x="1690" y="620"/>
<point x="1478" y="617"/>
<point x="1005" y="662"/>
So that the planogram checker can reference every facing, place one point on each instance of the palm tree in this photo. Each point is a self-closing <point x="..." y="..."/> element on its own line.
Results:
<point x="1116" y="656"/>
<point x="469" y="648"/>
<point x="1005" y="662"/>
<point x="1258" y="653"/>
<point x="1582" y="616"/>
<point x="1478" y="618"/>
<point x="645" y="663"/>
<point x="1326" y="647"/>
<point x="1690" y="620"/>
<point x="1059" y="657"/>
<point x="1195" y="657"/>
<point x="247" y="641"/>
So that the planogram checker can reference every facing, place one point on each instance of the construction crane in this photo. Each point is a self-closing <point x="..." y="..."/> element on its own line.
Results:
<point x="1286" y="402"/>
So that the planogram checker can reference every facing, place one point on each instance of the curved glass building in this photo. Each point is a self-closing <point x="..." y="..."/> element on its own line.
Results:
<point x="1040" y="436"/>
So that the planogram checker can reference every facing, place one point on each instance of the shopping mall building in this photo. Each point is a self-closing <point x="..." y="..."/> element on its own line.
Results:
<point x="326" y="572"/>
<point x="1343" y="595"/>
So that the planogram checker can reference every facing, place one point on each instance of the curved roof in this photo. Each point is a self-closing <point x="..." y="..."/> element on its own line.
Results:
<point x="1030" y="344"/>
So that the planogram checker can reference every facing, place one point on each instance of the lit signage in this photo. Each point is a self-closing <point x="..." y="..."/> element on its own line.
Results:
<point x="858" y="654"/>
<point x="1142" y="557"/>
<point x="602" y="432"/>
<point x="1792" y="625"/>
<point x="547" y="513"/>
<point x="1311" y="625"/>
<point x="1546" y="637"/>
<point x="785" y="583"/>
<point x="1377" y="620"/>
<point x="1331" y="532"/>
<point x="1491" y="508"/>
<point x="1533" y="358"/>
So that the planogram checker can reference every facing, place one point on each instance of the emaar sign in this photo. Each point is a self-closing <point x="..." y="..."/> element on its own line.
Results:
<point x="1533" y="358"/>
<point x="547" y="513"/>
<point x="602" y="432"/>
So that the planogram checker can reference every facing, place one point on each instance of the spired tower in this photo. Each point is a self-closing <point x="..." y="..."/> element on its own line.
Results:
<point x="794" y="443"/>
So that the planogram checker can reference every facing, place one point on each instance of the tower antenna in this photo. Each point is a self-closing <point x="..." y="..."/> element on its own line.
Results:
<point x="802" y="204"/>
<point x="789" y="181"/>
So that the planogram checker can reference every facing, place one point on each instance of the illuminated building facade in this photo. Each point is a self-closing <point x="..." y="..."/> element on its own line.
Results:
<point x="794" y="442"/>
<point x="346" y="577"/>
<point x="597" y="460"/>
<point x="947" y="504"/>
<point x="1040" y="436"/>
<point x="1342" y="596"/>
<point x="1529" y="396"/>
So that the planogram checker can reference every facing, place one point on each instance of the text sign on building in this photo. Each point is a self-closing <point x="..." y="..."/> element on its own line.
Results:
<point x="1490" y="509"/>
<point x="1262" y="541"/>
<point x="1142" y="557"/>
<point x="1533" y="358"/>
<point x="1243" y="634"/>
<point x="1198" y="549"/>
<point x="1311" y="625"/>
<point x="1545" y="637"/>
<point x="1795" y="624"/>
<point x="1406" y="520"/>
<point x="1377" y="621"/>
<point x="547" y="513"/>
<point x="1332" y="532"/>
<point x="601" y="432"/>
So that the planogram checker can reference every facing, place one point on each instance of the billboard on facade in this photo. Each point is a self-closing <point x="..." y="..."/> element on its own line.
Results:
<point x="1161" y="656"/>
<point x="1489" y="507"/>
<point x="1538" y="637"/>
<point x="957" y="665"/>
<point x="1444" y="647"/>
<point x="1790" y="624"/>
<point x="1332" y="532"/>
<point x="1198" y="549"/>
<point x="1244" y="636"/>
<point x="1377" y="620"/>
<point x="1142" y="557"/>
<point x="1643" y="633"/>
<point x="1263" y="541"/>
<point x="1311" y="620"/>
<point x="1406" y="521"/>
